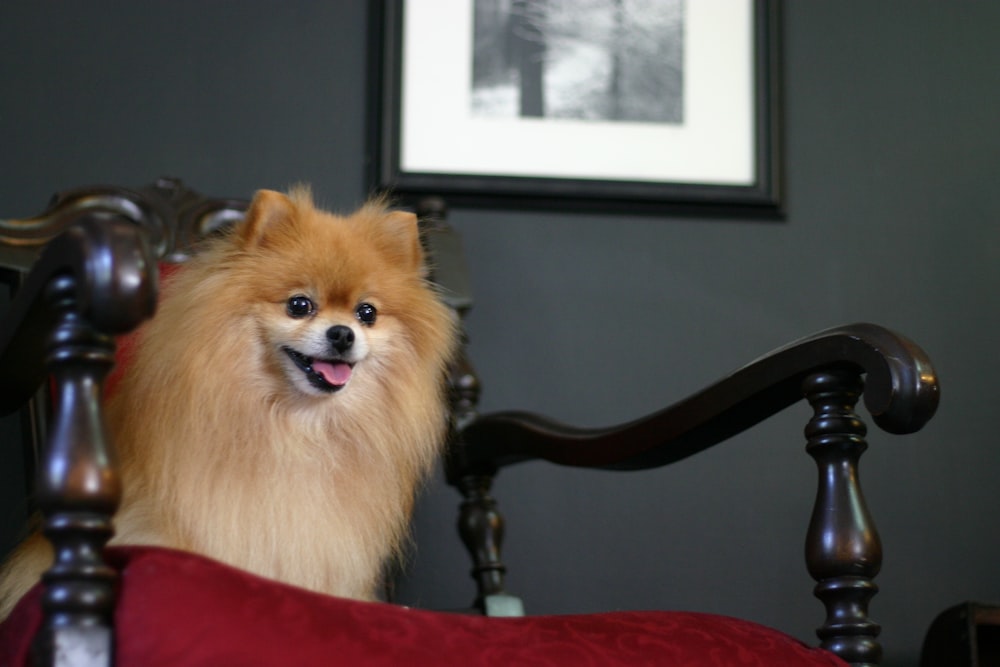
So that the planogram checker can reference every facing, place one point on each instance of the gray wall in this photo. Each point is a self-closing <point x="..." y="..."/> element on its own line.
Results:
<point x="892" y="159"/>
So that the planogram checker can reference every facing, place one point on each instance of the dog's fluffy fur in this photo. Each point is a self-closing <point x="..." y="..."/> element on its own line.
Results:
<point x="273" y="461"/>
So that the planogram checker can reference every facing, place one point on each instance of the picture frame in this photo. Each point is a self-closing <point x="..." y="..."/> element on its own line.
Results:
<point x="706" y="143"/>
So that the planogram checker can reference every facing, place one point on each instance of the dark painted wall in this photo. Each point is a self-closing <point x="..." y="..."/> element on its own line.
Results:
<point x="893" y="163"/>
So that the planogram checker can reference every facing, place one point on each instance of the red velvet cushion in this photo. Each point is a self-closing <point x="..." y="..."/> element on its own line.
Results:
<point x="181" y="609"/>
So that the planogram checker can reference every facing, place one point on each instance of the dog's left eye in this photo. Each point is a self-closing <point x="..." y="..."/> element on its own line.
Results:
<point x="366" y="313"/>
<point x="300" y="306"/>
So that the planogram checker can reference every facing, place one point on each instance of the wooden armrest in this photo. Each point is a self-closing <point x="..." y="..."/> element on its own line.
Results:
<point x="831" y="370"/>
<point x="103" y="270"/>
<point x="901" y="393"/>
<point x="96" y="279"/>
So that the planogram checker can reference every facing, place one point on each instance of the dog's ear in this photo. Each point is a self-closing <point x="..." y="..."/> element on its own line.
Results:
<point x="268" y="210"/>
<point x="402" y="239"/>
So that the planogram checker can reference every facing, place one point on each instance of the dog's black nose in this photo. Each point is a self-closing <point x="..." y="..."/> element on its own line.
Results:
<point x="341" y="337"/>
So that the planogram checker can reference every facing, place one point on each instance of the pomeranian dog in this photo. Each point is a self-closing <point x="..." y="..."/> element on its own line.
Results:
<point x="285" y="403"/>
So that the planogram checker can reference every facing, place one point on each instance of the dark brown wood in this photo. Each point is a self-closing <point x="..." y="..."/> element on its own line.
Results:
<point x="446" y="260"/>
<point x="481" y="528"/>
<point x="173" y="216"/>
<point x="965" y="635"/>
<point x="114" y="288"/>
<point x="91" y="256"/>
<point x="78" y="492"/>
<point x="480" y="523"/>
<point x="94" y="280"/>
<point x="902" y="395"/>
<point x="843" y="550"/>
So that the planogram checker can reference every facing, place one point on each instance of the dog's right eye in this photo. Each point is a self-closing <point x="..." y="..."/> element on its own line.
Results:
<point x="300" y="306"/>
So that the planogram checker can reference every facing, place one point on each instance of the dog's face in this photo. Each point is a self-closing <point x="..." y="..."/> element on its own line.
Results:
<point x="336" y="301"/>
<point x="322" y="344"/>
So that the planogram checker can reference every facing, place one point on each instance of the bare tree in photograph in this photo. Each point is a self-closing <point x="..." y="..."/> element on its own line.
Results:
<point x="607" y="60"/>
<point x="527" y="30"/>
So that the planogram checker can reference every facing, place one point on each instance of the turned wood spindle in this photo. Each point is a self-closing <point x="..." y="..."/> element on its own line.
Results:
<point x="481" y="527"/>
<point x="843" y="550"/>
<point x="78" y="491"/>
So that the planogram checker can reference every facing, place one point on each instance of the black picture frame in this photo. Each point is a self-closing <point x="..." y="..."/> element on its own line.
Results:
<point x="760" y="196"/>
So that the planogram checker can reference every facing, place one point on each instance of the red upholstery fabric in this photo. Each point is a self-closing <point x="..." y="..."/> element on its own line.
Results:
<point x="180" y="609"/>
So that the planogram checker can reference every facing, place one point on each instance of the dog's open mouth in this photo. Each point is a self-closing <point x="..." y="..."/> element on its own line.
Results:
<point x="326" y="375"/>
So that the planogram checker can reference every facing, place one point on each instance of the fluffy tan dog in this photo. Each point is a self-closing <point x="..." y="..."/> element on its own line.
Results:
<point x="285" y="402"/>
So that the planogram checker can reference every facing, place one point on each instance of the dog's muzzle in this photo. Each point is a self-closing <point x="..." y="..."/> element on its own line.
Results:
<point x="324" y="374"/>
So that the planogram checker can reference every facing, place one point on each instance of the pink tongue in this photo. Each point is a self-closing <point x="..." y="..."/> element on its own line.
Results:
<point x="336" y="373"/>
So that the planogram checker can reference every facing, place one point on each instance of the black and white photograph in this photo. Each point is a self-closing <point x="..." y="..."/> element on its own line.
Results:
<point x="606" y="60"/>
<point x="588" y="102"/>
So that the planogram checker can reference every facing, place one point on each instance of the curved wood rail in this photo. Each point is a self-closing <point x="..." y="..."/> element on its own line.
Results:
<point x="106" y="266"/>
<point x="173" y="216"/>
<point x="831" y="370"/>
<point x="901" y="393"/>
